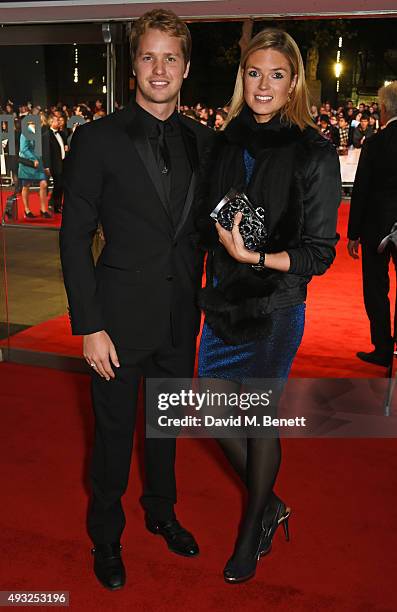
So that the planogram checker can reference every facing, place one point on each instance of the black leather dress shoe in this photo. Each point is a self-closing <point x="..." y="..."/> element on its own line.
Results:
<point x="108" y="566"/>
<point x="178" y="539"/>
<point x="380" y="359"/>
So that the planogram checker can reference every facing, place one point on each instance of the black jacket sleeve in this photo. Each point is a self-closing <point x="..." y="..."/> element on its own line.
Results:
<point x="361" y="190"/>
<point x="205" y="225"/>
<point x="82" y="188"/>
<point x="322" y="197"/>
<point x="46" y="154"/>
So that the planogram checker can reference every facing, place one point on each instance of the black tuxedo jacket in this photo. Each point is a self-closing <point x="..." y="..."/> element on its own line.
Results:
<point x="149" y="271"/>
<point x="56" y="162"/>
<point x="373" y="207"/>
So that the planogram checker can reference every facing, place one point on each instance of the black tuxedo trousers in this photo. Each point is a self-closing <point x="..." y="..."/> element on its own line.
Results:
<point x="115" y="406"/>
<point x="376" y="286"/>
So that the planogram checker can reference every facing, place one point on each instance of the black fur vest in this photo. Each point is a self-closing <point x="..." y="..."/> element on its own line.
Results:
<point x="238" y="299"/>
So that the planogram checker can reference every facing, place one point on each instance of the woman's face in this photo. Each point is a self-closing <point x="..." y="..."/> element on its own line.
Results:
<point x="267" y="83"/>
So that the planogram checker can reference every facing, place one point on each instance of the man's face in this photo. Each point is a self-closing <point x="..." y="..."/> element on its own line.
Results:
<point x="54" y="122"/>
<point x="159" y="68"/>
<point x="342" y="122"/>
<point x="218" y="121"/>
<point x="364" y="123"/>
<point x="324" y="125"/>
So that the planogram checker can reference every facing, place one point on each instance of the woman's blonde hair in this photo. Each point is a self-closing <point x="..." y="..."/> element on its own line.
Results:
<point x="297" y="109"/>
<point x="43" y="119"/>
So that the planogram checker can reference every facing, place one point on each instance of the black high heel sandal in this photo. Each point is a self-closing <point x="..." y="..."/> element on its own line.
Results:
<point x="270" y="523"/>
<point x="236" y="572"/>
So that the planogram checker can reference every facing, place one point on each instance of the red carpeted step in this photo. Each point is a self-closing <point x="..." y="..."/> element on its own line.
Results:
<point x="51" y="336"/>
<point x="34" y="205"/>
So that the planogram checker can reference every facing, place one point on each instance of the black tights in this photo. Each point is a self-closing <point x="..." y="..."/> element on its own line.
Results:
<point x="257" y="462"/>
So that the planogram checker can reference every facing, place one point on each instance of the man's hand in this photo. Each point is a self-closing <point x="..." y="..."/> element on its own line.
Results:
<point x="99" y="351"/>
<point x="234" y="243"/>
<point x="35" y="163"/>
<point x="352" y="247"/>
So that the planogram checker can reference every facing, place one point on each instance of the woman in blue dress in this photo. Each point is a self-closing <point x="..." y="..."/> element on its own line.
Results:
<point x="254" y="302"/>
<point x="32" y="176"/>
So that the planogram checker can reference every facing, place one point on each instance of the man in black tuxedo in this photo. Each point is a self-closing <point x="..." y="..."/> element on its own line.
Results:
<point x="57" y="155"/>
<point x="135" y="172"/>
<point x="373" y="211"/>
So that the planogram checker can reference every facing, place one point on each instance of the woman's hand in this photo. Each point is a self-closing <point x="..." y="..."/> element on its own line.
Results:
<point x="234" y="243"/>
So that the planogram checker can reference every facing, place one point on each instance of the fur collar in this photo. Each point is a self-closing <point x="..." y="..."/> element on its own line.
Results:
<point x="255" y="137"/>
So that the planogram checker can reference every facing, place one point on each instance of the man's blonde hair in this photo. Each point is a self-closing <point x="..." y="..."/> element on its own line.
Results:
<point x="165" y="21"/>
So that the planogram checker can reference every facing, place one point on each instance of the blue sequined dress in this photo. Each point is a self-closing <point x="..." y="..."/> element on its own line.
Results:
<point x="268" y="357"/>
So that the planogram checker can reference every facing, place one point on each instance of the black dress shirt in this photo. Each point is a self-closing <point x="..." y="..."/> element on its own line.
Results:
<point x="178" y="179"/>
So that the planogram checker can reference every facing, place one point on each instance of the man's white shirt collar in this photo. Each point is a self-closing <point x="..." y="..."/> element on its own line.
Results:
<point x="60" y="142"/>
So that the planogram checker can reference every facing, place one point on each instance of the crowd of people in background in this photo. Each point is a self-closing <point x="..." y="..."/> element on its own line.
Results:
<point x="29" y="169"/>
<point x="345" y="126"/>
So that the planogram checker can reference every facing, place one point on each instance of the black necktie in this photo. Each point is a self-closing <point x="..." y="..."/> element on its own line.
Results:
<point x="163" y="156"/>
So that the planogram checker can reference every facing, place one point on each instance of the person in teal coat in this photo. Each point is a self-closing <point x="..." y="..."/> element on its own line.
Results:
<point x="29" y="176"/>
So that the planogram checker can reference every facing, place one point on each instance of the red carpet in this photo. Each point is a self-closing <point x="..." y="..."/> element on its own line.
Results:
<point x="343" y="539"/>
<point x="336" y="323"/>
<point x="341" y="556"/>
<point x="34" y="205"/>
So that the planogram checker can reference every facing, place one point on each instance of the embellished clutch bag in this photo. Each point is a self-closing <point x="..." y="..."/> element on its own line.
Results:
<point x="252" y="226"/>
